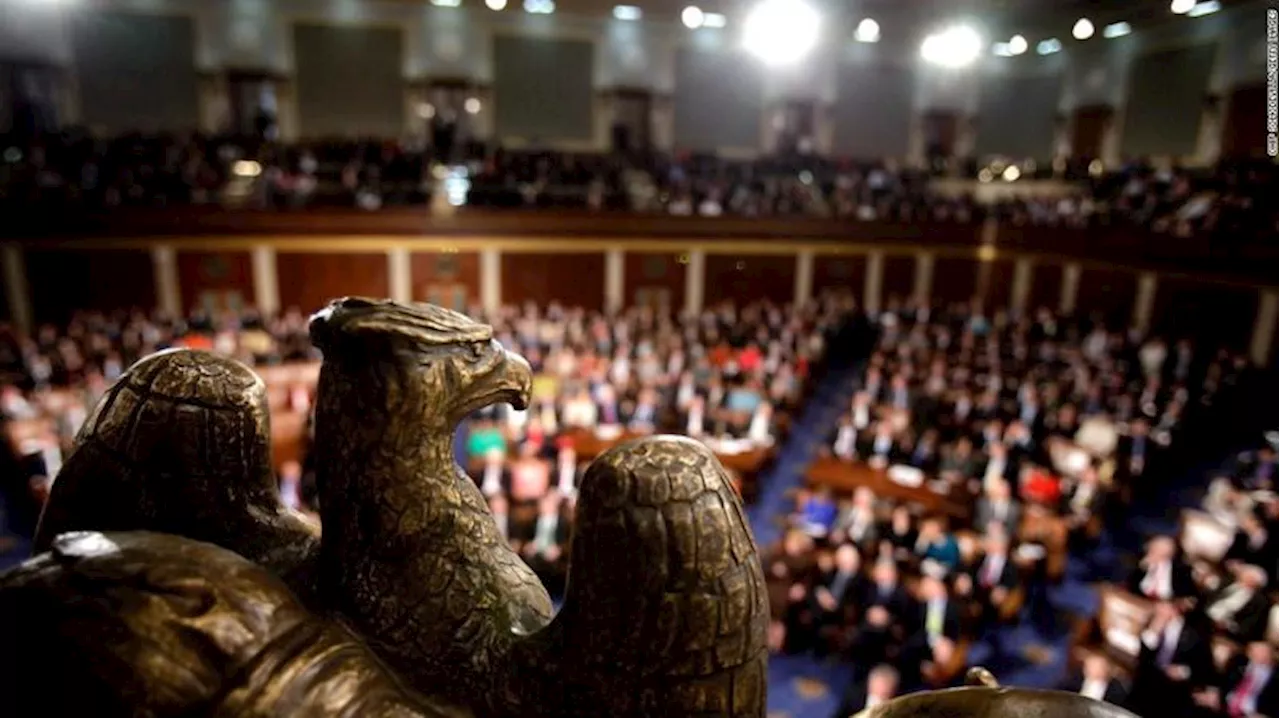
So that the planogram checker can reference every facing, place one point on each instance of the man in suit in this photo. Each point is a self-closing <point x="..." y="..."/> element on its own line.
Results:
<point x="1254" y="544"/>
<point x="886" y="610"/>
<point x="1084" y="503"/>
<point x="1256" y="471"/>
<point x="880" y="687"/>
<point x="845" y="441"/>
<point x="1175" y="660"/>
<point x="997" y="506"/>
<point x="1240" y="608"/>
<point x="696" y="421"/>
<point x="836" y="594"/>
<point x="991" y="580"/>
<point x="1249" y="686"/>
<point x="1134" y="453"/>
<point x="937" y="625"/>
<point x="858" y="523"/>
<point x="879" y="447"/>
<point x="1097" y="680"/>
<point x="1161" y="574"/>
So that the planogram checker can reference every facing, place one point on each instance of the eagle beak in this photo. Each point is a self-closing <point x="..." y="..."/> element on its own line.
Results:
<point x="513" y="380"/>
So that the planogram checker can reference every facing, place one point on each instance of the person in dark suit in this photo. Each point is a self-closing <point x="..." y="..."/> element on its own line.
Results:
<point x="696" y="421"/>
<point x="1249" y="686"/>
<point x="1254" y="544"/>
<point x="990" y="580"/>
<point x="857" y="522"/>
<point x="936" y="626"/>
<point x="880" y="687"/>
<point x="1084" y="503"/>
<point x="879" y="446"/>
<point x="1097" y="680"/>
<point x="1135" y="453"/>
<point x="1257" y="470"/>
<point x="1240" y="608"/>
<point x="1174" y="662"/>
<point x="886" y="611"/>
<point x="1161" y="574"/>
<point x="835" y="595"/>
<point x="998" y="506"/>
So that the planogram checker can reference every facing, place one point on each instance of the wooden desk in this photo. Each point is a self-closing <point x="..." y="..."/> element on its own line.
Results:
<point x="846" y="476"/>
<point x="588" y="446"/>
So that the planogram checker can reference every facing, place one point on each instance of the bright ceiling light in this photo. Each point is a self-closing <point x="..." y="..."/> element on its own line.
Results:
<point x="446" y="3"/>
<point x="1048" y="47"/>
<point x="1017" y="45"/>
<point x="246" y="168"/>
<point x="780" y="32"/>
<point x="714" y="19"/>
<point x="1011" y="173"/>
<point x="868" y="30"/>
<point x="627" y="12"/>
<point x="471" y="106"/>
<point x="1181" y="7"/>
<point x="1201" y="9"/>
<point x="1116" y="29"/>
<point x="1083" y="29"/>
<point x="539" y="7"/>
<point x="495" y="4"/>
<point x="955" y="47"/>
<point x="692" y="17"/>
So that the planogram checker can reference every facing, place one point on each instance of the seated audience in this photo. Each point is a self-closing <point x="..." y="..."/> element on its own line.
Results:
<point x="880" y="686"/>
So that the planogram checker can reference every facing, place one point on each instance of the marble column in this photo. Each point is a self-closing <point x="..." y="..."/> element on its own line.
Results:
<point x="266" y="281"/>
<point x="804" y="278"/>
<point x="1020" y="292"/>
<point x="17" y="291"/>
<point x="491" y="280"/>
<point x="1070" y="287"/>
<point x="615" y="291"/>
<point x="695" y="281"/>
<point x="400" y="274"/>
<point x="1144" y="301"/>
<point x="874" y="281"/>
<point x="1263" y="343"/>
<point x="164" y="262"/>
<point x="922" y="287"/>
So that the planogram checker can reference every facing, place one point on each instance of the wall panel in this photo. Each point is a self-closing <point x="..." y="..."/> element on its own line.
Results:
<point x="719" y="98"/>
<point x="744" y="278"/>
<point x="1046" y="286"/>
<point x="1017" y="116"/>
<point x="648" y="276"/>
<point x="309" y="280"/>
<point x="1108" y="294"/>
<point x="955" y="279"/>
<point x="135" y="71"/>
<point x="572" y="279"/>
<point x="899" y="277"/>
<point x="349" y="80"/>
<point x="448" y="278"/>
<point x="211" y="278"/>
<point x="63" y="282"/>
<point x="542" y="88"/>
<point x="1210" y="314"/>
<point x="999" y="287"/>
<point x="840" y="273"/>
<point x="872" y="111"/>
<point x="1166" y="98"/>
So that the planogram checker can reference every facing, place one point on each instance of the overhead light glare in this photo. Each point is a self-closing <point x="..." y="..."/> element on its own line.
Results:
<point x="1083" y="29"/>
<point x="692" y="17"/>
<point x="868" y="30"/>
<point x="628" y="13"/>
<point x="1201" y="9"/>
<point x="714" y="19"/>
<point x="1048" y="47"/>
<point x="952" y="48"/>
<point x="539" y="7"/>
<point x="1116" y="29"/>
<point x="781" y="32"/>
<point x="1181" y="7"/>
<point x="1017" y="45"/>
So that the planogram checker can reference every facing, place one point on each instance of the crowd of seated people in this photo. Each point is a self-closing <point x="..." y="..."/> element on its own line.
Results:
<point x="1033" y="427"/>
<point x="72" y="167"/>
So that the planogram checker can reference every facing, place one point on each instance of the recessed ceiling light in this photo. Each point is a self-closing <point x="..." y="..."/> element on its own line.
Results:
<point x="1116" y="29"/>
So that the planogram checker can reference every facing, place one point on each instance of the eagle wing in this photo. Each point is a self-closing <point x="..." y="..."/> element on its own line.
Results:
<point x="666" y="611"/>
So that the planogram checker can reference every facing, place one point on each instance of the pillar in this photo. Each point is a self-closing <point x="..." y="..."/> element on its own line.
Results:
<point x="400" y="274"/>
<point x="15" y="285"/>
<point x="615" y="297"/>
<point x="923" y="284"/>
<point x="874" y="280"/>
<point x="266" y="281"/>
<point x="804" y="278"/>
<point x="1264" y="329"/>
<point x="695" y="279"/>
<point x="1020" y="292"/>
<point x="1144" y="301"/>
<point x="164" y="261"/>
<point x="491" y="280"/>
<point x="1070" y="287"/>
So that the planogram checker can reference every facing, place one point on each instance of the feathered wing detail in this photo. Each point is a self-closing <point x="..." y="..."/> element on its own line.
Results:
<point x="666" y="610"/>
<point x="181" y="444"/>
<point x="134" y="624"/>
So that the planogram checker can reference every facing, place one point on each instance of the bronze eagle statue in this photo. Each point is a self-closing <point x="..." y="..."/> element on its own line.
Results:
<point x="175" y="583"/>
